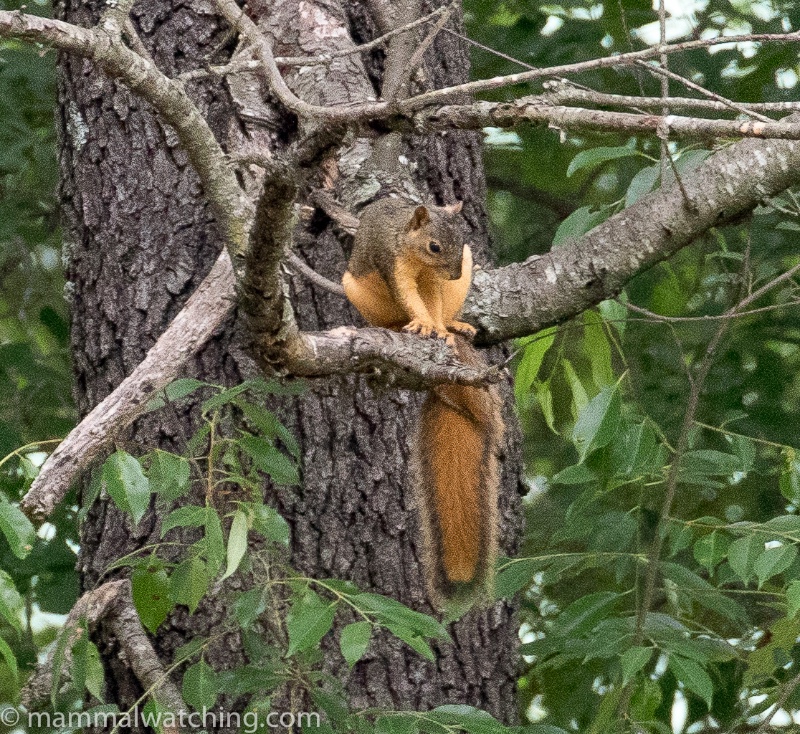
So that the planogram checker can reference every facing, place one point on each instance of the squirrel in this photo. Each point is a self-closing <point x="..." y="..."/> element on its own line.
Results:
<point x="409" y="270"/>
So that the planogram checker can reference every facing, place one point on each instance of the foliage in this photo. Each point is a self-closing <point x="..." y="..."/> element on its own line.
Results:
<point x="603" y="399"/>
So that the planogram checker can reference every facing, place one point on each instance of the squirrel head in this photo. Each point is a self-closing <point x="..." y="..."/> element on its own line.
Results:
<point x="433" y="238"/>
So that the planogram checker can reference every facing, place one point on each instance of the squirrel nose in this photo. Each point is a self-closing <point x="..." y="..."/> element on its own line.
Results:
<point x="455" y="273"/>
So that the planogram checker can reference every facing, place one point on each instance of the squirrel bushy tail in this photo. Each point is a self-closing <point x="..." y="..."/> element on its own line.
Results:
<point x="456" y="480"/>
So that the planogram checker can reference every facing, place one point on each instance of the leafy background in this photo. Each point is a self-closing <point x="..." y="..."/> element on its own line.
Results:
<point x="601" y="399"/>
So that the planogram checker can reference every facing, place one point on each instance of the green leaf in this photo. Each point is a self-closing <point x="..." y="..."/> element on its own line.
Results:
<point x="270" y="460"/>
<point x="237" y="543"/>
<point x="711" y="549"/>
<point x="515" y="574"/>
<point x="680" y="537"/>
<point x="793" y="599"/>
<point x="693" y="677"/>
<point x="213" y="541"/>
<point x="397" y="723"/>
<point x="698" y="589"/>
<point x="786" y="524"/>
<point x="789" y="482"/>
<point x="594" y="157"/>
<point x="17" y="529"/>
<point x="268" y="522"/>
<point x="175" y="391"/>
<point x="269" y="426"/>
<point x="642" y="183"/>
<point x="536" y="348"/>
<point x="597" y="349"/>
<point x="580" y="617"/>
<point x="575" y="474"/>
<point x="151" y="596"/>
<point x="577" y="224"/>
<point x="126" y="483"/>
<point x="200" y="686"/>
<point x="598" y="423"/>
<point x="192" y="516"/>
<point x="354" y="641"/>
<point x="390" y="610"/>
<point x="87" y="669"/>
<point x="710" y="462"/>
<point x="633" y="660"/>
<point x="189" y="583"/>
<point x="249" y="606"/>
<point x="308" y="621"/>
<point x="412" y="639"/>
<point x="468" y="718"/>
<point x="168" y="475"/>
<point x="742" y="555"/>
<point x="11" y="661"/>
<point x="773" y="561"/>
<point x="190" y="649"/>
<point x="580" y="397"/>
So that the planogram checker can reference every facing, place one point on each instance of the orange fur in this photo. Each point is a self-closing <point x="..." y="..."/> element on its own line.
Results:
<point x="456" y="450"/>
<point x="371" y="296"/>
<point x="457" y="477"/>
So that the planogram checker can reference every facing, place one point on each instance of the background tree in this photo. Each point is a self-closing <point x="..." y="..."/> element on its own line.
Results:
<point x="630" y="598"/>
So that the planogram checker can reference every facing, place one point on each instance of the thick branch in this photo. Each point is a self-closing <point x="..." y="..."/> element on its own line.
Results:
<point x="166" y="95"/>
<point x="110" y="604"/>
<point x="402" y="360"/>
<point x="192" y="327"/>
<point x="533" y="110"/>
<point x="523" y="298"/>
<point x="262" y="291"/>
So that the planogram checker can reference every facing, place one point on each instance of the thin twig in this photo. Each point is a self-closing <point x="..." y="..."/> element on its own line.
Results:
<point x="250" y="64"/>
<point x="665" y="75"/>
<point x="416" y="58"/>
<point x="620" y="60"/>
<point x="655" y="317"/>
<point x="565" y="92"/>
<point x="666" y="158"/>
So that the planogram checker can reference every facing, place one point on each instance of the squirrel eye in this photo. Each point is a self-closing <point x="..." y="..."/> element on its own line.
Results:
<point x="433" y="247"/>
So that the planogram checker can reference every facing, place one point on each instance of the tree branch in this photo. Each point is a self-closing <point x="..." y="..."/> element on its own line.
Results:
<point x="563" y="92"/>
<point x="207" y="308"/>
<point x="241" y="22"/>
<point x="523" y="298"/>
<point x="441" y="96"/>
<point x="166" y="95"/>
<point x="111" y="604"/>
<point x="534" y="110"/>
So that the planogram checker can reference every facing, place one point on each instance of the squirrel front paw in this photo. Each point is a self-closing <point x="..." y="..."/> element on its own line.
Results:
<point x="463" y="328"/>
<point x="428" y="328"/>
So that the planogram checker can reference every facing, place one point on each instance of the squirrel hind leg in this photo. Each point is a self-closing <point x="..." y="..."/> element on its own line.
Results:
<point x="373" y="300"/>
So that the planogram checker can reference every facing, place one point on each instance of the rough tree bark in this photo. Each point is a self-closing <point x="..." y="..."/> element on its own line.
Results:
<point x="140" y="238"/>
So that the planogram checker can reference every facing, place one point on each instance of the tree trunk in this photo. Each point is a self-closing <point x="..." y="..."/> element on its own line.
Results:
<point x="139" y="238"/>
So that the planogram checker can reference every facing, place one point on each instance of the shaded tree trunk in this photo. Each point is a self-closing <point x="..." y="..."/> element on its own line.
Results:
<point x="139" y="238"/>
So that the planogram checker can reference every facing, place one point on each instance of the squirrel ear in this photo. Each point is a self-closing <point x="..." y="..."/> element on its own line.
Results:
<point x="452" y="209"/>
<point x="419" y="219"/>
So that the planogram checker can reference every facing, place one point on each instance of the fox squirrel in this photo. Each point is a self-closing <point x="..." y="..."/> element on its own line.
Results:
<point x="410" y="270"/>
